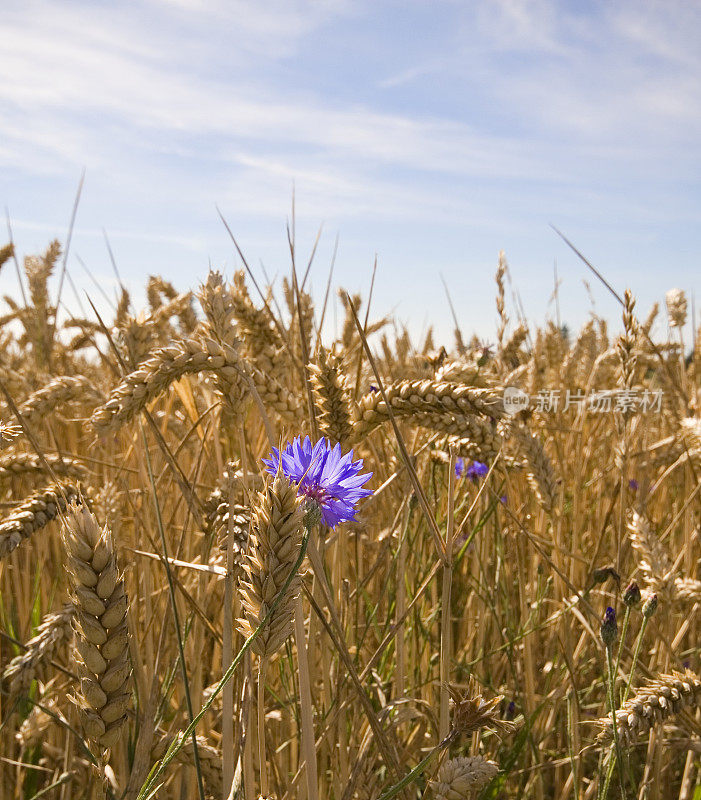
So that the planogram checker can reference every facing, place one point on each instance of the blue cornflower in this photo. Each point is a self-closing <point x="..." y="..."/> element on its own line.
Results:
<point x="474" y="471"/>
<point x="324" y="476"/>
<point x="633" y="485"/>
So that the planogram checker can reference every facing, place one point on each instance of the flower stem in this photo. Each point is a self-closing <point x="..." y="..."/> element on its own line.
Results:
<point x="624" y="630"/>
<point x="616" y="756"/>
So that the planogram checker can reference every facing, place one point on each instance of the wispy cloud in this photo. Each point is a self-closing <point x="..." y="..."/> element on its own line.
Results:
<point x="500" y="117"/>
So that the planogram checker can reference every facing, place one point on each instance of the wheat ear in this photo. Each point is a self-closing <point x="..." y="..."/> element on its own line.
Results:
<point x="158" y="372"/>
<point x="56" y="393"/>
<point x="209" y="757"/>
<point x="34" y="513"/>
<point x="653" y="703"/>
<point x="101" y="636"/>
<point x="654" y="561"/>
<point x="459" y="778"/>
<point x="273" y="550"/>
<point x="54" y="630"/>
<point x="449" y="408"/>
<point x="329" y="387"/>
<point x="17" y="465"/>
<point x="539" y="469"/>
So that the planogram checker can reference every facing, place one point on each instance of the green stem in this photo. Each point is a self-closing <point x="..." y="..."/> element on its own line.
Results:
<point x="617" y="744"/>
<point x="624" y="631"/>
<point x="626" y="693"/>
<point x="413" y="775"/>
<point x="636" y="654"/>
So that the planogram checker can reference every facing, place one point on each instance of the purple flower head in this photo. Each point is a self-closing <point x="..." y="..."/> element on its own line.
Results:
<point x="609" y="628"/>
<point x="633" y="485"/>
<point x="503" y="499"/>
<point x="324" y="476"/>
<point x="476" y="470"/>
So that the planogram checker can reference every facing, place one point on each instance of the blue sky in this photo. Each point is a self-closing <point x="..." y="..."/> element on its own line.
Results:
<point x="431" y="134"/>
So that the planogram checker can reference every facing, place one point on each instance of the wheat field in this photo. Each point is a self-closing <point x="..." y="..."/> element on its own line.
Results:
<point x="179" y="620"/>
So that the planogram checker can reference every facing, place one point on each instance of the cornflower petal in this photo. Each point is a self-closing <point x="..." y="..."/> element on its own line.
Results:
<point x="324" y="475"/>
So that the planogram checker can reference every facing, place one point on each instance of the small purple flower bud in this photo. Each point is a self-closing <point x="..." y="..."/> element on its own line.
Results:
<point x="650" y="606"/>
<point x="609" y="629"/>
<point x="510" y="710"/>
<point x="632" y="596"/>
<point x="503" y="499"/>
<point x="633" y="485"/>
<point x="459" y="467"/>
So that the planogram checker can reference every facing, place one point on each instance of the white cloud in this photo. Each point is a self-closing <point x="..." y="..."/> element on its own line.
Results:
<point x="510" y="115"/>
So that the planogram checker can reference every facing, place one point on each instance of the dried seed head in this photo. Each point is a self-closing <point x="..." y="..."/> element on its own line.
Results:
<point x="460" y="778"/>
<point x="209" y="757"/>
<point x="34" y="513"/>
<point x="273" y="550"/>
<point x="676" y="307"/>
<point x="54" y="631"/>
<point x="471" y="712"/>
<point x="331" y="398"/>
<point x="8" y="433"/>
